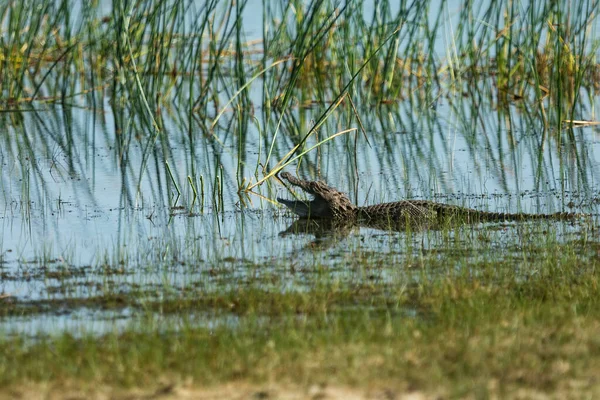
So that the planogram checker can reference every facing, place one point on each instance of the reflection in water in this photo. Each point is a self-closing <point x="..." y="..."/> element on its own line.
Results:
<point x="95" y="174"/>
<point x="327" y="232"/>
<point x="83" y="322"/>
<point x="88" y="199"/>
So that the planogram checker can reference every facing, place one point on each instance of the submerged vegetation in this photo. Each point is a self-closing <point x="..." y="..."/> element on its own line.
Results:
<point x="141" y="142"/>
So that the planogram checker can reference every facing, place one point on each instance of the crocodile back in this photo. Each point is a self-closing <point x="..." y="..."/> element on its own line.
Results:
<point x="424" y="211"/>
<point x="400" y="211"/>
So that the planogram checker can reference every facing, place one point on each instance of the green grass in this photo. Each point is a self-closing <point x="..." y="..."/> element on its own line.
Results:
<point x="493" y="326"/>
<point x="175" y="73"/>
<point x="457" y="312"/>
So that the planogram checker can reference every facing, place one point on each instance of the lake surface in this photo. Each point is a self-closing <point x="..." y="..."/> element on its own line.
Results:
<point x="89" y="199"/>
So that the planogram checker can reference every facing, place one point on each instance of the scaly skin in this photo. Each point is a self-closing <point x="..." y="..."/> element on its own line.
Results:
<point x="328" y="202"/>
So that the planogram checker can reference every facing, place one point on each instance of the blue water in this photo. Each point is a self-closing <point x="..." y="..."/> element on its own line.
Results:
<point x="71" y="201"/>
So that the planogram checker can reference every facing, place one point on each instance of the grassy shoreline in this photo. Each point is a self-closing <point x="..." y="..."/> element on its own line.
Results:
<point x="493" y="330"/>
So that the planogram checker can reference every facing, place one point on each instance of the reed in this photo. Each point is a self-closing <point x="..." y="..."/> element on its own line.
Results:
<point x="383" y="97"/>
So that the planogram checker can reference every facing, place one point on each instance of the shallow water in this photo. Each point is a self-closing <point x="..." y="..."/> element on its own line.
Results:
<point x="86" y="210"/>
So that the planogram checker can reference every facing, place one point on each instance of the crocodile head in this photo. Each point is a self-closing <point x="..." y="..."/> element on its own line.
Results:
<point x="327" y="202"/>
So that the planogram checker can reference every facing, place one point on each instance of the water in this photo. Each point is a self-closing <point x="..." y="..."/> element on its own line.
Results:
<point x="87" y="209"/>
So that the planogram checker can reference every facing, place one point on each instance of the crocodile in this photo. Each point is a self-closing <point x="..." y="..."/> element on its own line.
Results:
<point x="329" y="203"/>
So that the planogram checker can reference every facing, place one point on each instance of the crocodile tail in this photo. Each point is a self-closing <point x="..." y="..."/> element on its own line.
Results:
<point x="498" y="216"/>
